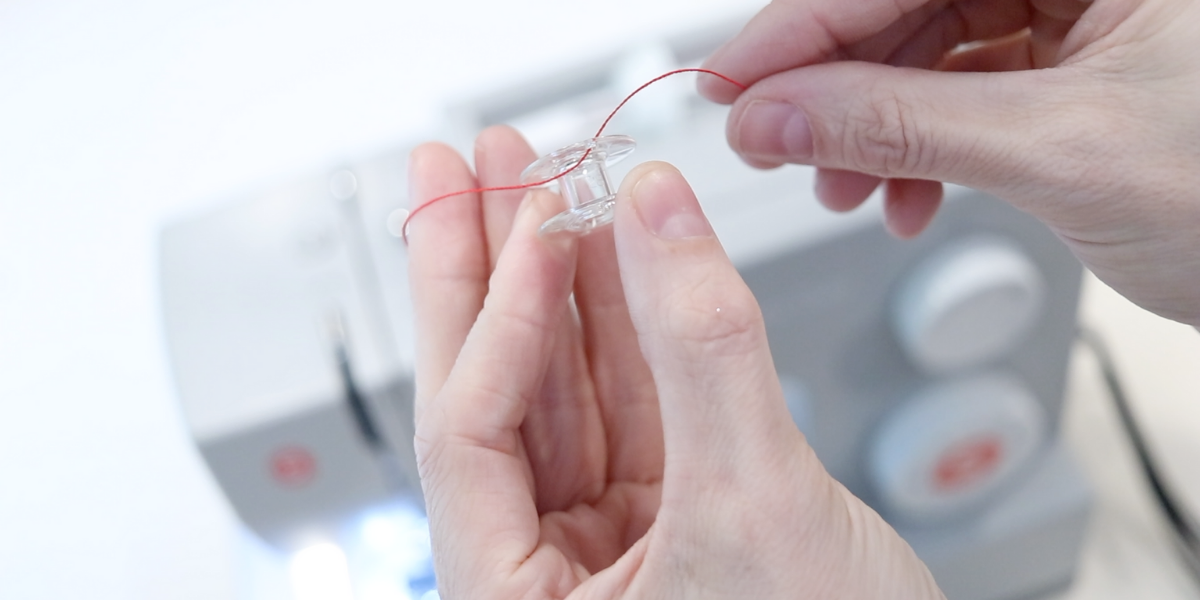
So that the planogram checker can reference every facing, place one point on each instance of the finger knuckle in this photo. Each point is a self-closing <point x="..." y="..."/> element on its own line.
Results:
<point x="715" y="318"/>
<point x="883" y="135"/>
<point x="524" y="322"/>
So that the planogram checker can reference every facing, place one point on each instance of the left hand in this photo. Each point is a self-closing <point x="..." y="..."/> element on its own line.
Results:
<point x="631" y="443"/>
<point x="539" y="436"/>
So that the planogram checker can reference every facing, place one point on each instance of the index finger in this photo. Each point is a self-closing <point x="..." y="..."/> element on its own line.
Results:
<point x="787" y="34"/>
<point x="470" y="451"/>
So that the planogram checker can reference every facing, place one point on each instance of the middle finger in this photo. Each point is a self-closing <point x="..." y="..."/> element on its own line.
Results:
<point x="448" y="267"/>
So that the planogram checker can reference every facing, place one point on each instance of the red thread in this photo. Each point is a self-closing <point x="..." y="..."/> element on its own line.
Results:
<point x="502" y="188"/>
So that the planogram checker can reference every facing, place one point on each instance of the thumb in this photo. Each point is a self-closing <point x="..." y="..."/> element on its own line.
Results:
<point x="746" y="505"/>
<point x="700" y="330"/>
<point x="975" y="129"/>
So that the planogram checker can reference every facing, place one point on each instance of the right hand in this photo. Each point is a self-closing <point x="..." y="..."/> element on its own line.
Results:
<point x="1094" y="127"/>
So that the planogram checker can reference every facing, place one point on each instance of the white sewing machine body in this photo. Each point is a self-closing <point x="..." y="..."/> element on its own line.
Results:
<point x="928" y="374"/>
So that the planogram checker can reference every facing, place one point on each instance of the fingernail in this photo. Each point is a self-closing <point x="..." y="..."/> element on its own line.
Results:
<point x="774" y="130"/>
<point x="667" y="206"/>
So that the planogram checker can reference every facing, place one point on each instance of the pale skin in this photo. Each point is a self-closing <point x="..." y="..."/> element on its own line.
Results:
<point x="1086" y="115"/>
<point x="601" y="418"/>
<point x="629" y="441"/>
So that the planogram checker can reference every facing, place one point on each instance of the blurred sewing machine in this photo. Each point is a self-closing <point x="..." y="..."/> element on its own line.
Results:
<point x="927" y="374"/>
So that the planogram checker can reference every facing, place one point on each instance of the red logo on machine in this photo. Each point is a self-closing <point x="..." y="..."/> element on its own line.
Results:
<point x="293" y="466"/>
<point x="967" y="463"/>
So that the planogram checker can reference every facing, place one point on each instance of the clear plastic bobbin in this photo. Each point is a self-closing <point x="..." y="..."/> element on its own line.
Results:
<point x="591" y="199"/>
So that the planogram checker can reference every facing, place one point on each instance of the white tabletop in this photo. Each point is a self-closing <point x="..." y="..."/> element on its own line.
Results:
<point x="1127" y="551"/>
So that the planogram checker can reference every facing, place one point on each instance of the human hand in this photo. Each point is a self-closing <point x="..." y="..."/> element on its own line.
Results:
<point x="629" y="441"/>
<point x="1085" y="114"/>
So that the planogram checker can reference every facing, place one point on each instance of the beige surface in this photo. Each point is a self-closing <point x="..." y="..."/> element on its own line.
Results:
<point x="1127" y="552"/>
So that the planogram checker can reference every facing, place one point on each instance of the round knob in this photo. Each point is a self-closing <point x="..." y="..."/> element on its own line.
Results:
<point x="968" y="303"/>
<point x="954" y="444"/>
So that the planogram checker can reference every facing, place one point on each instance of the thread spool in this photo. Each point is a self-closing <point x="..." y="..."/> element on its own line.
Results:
<point x="594" y="199"/>
<point x="581" y="173"/>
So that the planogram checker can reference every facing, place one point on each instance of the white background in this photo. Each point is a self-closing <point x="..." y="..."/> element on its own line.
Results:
<point x="117" y="116"/>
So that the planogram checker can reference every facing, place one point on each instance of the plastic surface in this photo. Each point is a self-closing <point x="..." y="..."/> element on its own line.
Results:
<point x="586" y="187"/>
<point x="968" y="303"/>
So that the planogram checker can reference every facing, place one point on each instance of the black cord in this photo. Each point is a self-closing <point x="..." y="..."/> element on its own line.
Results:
<point x="358" y="403"/>
<point x="1186" y="537"/>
